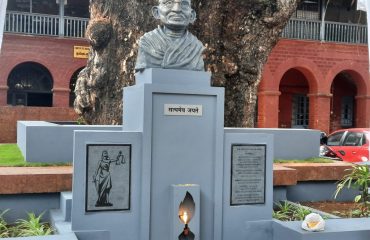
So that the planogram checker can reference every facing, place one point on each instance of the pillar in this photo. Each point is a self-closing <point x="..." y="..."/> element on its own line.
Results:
<point x="362" y="111"/>
<point x="61" y="97"/>
<point x="268" y="109"/>
<point x="320" y="111"/>
<point x="3" y="95"/>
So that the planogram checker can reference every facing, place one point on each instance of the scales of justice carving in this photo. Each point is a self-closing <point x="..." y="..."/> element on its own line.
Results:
<point x="171" y="45"/>
<point x="108" y="185"/>
<point x="102" y="178"/>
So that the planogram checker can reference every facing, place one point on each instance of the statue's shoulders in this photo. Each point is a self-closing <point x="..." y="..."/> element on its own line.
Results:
<point x="194" y="39"/>
<point x="152" y="34"/>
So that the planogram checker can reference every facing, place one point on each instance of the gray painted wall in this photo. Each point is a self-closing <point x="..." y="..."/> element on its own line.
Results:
<point x="255" y="217"/>
<point x="20" y="204"/>
<point x="41" y="141"/>
<point x="114" y="223"/>
<point x="335" y="229"/>
<point x="178" y="149"/>
<point x="289" y="143"/>
<point x="318" y="191"/>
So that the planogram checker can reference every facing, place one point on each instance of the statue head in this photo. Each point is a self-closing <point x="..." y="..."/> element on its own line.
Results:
<point x="104" y="154"/>
<point x="174" y="14"/>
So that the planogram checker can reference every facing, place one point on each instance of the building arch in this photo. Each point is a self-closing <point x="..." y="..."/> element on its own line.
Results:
<point x="293" y="81"/>
<point x="358" y="73"/>
<point x="307" y="67"/>
<point x="350" y="90"/>
<point x="72" y="85"/>
<point x="30" y="84"/>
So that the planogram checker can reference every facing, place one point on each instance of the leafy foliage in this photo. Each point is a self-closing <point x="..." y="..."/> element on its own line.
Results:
<point x="32" y="226"/>
<point x="4" y="231"/>
<point x="286" y="211"/>
<point x="24" y="228"/>
<point x="358" y="178"/>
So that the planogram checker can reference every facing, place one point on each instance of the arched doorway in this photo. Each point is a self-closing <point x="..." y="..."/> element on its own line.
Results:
<point x="30" y="84"/>
<point x="72" y="85"/>
<point x="343" y="104"/>
<point x="293" y="101"/>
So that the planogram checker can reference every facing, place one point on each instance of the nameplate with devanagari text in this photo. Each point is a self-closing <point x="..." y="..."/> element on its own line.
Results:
<point x="183" y="110"/>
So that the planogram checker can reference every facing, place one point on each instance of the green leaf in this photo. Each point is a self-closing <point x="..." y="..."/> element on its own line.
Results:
<point x="357" y="198"/>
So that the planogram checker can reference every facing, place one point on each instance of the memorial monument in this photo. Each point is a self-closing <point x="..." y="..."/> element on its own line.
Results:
<point x="183" y="175"/>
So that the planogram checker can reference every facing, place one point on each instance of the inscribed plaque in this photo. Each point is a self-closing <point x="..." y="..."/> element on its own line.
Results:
<point x="248" y="174"/>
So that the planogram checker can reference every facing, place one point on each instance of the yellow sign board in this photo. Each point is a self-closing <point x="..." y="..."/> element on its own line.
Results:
<point x="81" y="52"/>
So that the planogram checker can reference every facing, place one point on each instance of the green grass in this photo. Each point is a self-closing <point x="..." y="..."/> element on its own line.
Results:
<point x="11" y="156"/>
<point x="308" y="160"/>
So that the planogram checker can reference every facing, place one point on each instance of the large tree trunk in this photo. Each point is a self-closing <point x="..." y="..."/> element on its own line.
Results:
<point x="238" y="34"/>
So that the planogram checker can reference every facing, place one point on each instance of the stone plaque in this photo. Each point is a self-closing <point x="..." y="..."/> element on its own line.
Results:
<point x="183" y="110"/>
<point x="248" y="174"/>
<point x="108" y="170"/>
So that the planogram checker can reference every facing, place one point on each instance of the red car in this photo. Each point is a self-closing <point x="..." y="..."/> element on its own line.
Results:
<point x="351" y="145"/>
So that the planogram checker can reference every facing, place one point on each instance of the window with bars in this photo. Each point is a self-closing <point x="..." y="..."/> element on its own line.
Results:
<point x="308" y="9"/>
<point x="346" y="118"/>
<point x="300" y="113"/>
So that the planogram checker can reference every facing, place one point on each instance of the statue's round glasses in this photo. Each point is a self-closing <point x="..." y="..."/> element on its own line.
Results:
<point x="185" y="5"/>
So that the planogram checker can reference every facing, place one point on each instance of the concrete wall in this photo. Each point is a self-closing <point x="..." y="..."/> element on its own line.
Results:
<point x="42" y="141"/>
<point x="318" y="191"/>
<point x="289" y="143"/>
<point x="335" y="229"/>
<point x="312" y="191"/>
<point x="10" y="115"/>
<point x="20" y="204"/>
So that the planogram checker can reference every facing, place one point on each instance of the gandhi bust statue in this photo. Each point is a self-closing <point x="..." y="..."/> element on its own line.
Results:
<point x="171" y="45"/>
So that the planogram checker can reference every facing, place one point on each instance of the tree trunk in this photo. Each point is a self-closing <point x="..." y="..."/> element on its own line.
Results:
<point x="238" y="35"/>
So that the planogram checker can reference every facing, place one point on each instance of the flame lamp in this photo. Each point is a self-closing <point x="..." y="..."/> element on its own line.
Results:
<point x="185" y="212"/>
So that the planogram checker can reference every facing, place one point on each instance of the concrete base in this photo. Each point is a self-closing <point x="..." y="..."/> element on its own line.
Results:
<point x="335" y="229"/>
<point x="318" y="191"/>
<point x="19" y="205"/>
<point x="41" y="141"/>
<point x="289" y="143"/>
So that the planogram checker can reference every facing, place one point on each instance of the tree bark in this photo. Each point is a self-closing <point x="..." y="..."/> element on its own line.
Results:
<point x="238" y="35"/>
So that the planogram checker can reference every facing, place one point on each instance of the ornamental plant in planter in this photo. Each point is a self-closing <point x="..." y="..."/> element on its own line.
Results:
<point x="287" y="211"/>
<point x="358" y="178"/>
<point x="24" y="228"/>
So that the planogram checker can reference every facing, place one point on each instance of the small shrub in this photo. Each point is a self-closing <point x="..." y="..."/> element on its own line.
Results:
<point x="358" y="178"/>
<point x="24" y="228"/>
<point x="32" y="226"/>
<point x="4" y="231"/>
<point x="286" y="211"/>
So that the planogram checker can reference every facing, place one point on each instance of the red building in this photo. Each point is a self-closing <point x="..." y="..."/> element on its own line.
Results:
<point x="43" y="51"/>
<point x="316" y="77"/>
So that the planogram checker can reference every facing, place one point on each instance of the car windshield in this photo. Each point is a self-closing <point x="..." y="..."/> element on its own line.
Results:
<point x="353" y="139"/>
<point x="334" y="140"/>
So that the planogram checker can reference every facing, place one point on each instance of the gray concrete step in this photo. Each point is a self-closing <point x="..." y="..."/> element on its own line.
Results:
<point x="66" y="205"/>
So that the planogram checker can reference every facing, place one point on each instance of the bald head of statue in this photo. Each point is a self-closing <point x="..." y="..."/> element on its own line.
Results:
<point x="174" y="14"/>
